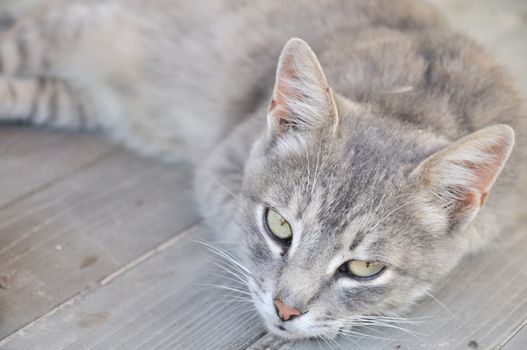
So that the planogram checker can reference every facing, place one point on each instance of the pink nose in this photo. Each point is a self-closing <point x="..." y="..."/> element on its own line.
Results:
<point x="284" y="312"/>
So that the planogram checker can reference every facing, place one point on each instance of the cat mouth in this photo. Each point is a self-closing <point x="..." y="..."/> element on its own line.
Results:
<point x="283" y="332"/>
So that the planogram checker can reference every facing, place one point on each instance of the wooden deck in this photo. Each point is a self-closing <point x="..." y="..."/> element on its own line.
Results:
<point x="97" y="247"/>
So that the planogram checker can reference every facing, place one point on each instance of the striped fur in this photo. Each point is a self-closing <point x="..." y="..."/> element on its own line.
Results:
<point x="43" y="101"/>
<point x="32" y="87"/>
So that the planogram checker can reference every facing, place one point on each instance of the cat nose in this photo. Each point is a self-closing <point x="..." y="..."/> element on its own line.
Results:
<point x="285" y="312"/>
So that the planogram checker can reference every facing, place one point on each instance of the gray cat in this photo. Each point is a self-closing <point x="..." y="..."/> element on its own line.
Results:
<point x="353" y="181"/>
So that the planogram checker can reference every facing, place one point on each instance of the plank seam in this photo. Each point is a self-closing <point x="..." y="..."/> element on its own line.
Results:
<point x="146" y="256"/>
<point x="79" y="296"/>
<point x="60" y="178"/>
<point x="513" y="334"/>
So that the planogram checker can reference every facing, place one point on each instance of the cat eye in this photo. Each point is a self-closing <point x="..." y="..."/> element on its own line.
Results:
<point x="277" y="225"/>
<point x="362" y="269"/>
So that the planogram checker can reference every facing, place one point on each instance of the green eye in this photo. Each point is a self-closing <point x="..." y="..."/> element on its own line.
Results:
<point x="361" y="268"/>
<point x="277" y="225"/>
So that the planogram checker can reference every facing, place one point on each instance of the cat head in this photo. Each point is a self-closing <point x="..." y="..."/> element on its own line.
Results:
<point x="348" y="214"/>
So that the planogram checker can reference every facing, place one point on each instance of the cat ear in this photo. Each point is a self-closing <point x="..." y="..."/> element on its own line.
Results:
<point x="460" y="176"/>
<point x="302" y="98"/>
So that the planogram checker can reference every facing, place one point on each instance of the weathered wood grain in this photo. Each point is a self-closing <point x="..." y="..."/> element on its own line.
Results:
<point x="164" y="303"/>
<point x="59" y="241"/>
<point x="32" y="158"/>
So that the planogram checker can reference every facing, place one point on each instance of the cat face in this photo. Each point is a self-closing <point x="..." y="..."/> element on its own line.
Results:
<point x="341" y="207"/>
<point x="345" y="218"/>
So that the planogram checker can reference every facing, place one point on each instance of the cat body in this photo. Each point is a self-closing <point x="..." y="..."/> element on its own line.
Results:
<point x="215" y="60"/>
<point x="375" y="144"/>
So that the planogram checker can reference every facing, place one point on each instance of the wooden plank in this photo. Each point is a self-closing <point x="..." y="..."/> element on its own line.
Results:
<point x="31" y="159"/>
<point x="163" y="303"/>
<point x="61" y="240"/>
<point x="518" y="341"/>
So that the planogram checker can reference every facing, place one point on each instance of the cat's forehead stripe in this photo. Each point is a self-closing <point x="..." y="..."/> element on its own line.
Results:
<point x="359" y="237"/>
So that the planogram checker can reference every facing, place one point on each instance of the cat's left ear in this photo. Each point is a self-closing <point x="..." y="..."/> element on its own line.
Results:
<point x="302" y="98"/>
<point x="458" y="178"/>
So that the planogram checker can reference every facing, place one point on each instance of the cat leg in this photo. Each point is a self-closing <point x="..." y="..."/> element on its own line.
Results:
<point x="44" y="101"/>
<point x="44" y="75"/>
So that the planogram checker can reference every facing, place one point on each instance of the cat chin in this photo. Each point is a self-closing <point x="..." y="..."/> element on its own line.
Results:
<point x="293" y="333"/>
<point x="288" y="335"/>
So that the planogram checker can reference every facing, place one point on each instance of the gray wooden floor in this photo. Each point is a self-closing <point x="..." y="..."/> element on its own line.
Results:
<point x="97" y="247"/>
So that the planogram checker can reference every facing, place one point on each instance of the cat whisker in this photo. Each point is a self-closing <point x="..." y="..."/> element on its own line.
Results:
<point x="416" y="335"/>
<point x="220" y="286"/>
<point x="230" y="304"/>
<point x="335" y="341"/>
<point x="224" y="267"/>
<point x="347" y="331"/>
<point x="349" y="338"/>
<point x="395" y="317"/>
<point x="326" y="339"/>
<point x="315" y="176"/>
<point x="234" y="262"/>
<point x="235" y="297"/>
<point x="236" y="290"/>
<point x="373" y="329"/>
<point x="308" y="166"/>
<point x="234" y="301"/>
<point x="223" y="187"/>
<point x="236" y="282"/>
<point x="222" y="252"/>
<point x="230" y="264"/>
<point x="239" y="310"/>
<point x="372" y="191"/>
<point x="444" y="306"/>
<point x="381" y="201"/>
<point x="387" y="216"/>
<point x="244" y="312"/>
<point x="218" y="260"/>
<point x="240" y="277"/>
<point x="250" y="306"/>
<point x="376" y="323"/>
<point x="317" y="339"/>
<point x="232" y="275"/>
<point x="225" y="242"/>
<point x="325" y="342"/>
<point x="409" y="320"/>
<point x="386" y="322"/>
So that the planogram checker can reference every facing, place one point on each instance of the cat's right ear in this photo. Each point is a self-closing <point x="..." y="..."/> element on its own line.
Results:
<point x="458" y="178"/>
<point x="302" y="99"/>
